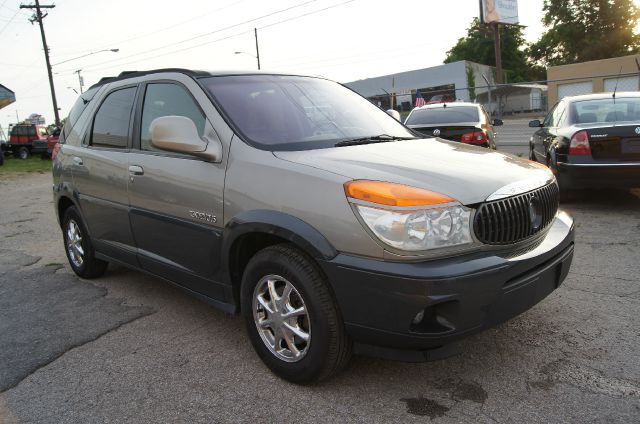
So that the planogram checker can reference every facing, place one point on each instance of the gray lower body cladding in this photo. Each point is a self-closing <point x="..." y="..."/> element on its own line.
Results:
<point x="413" y="308"/>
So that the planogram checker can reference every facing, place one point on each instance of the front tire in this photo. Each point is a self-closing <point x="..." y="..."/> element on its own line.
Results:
<point x="79" y="248"/>
<point x="23" y="153"/>
<point x="291" y="316"/>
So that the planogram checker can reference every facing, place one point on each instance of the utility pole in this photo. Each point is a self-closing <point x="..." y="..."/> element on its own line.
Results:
<point x="255" y="31"/>
<point x="80" y="80"/>
<point x="38" y="16"/>
<point x="498" y="50"/>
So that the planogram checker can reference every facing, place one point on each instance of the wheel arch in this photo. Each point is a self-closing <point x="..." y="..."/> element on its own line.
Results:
<point x="251" y="231"/>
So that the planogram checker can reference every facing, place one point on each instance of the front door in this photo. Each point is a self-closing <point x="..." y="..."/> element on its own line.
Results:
<point x="176" y="200"/>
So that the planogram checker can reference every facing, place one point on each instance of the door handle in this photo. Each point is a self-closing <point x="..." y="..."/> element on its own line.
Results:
<point x="77" y="161"/>
<point x="135" y="170"/>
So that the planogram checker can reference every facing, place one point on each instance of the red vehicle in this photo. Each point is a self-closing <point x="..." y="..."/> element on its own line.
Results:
<point x="27" y="139"/>
<point x="52" y="140"/>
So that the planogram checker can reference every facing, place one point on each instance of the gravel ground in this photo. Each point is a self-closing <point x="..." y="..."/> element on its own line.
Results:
<point x="129" y="348"/>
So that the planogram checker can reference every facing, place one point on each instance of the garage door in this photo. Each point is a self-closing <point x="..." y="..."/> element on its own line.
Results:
<point x="575" y="89"/>
<point x="624" y="84"/>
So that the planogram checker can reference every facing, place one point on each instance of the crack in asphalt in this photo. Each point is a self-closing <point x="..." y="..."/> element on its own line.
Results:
<point x="72" y="347"/>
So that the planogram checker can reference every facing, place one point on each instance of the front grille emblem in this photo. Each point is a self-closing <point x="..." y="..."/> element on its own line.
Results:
<point x="436" y="132"/>
<point x="638" y="130"/>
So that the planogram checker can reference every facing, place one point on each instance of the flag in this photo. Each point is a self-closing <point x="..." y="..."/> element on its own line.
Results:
<point x="419" y="99"/>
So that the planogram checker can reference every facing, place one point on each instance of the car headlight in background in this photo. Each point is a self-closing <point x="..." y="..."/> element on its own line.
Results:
<point x="409" y="218"/>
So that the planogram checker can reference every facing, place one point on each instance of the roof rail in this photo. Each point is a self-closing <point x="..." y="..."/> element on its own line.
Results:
<point x="132" y="74"/>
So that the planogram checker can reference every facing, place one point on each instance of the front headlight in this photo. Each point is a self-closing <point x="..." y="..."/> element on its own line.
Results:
<point x="408" y="218"/>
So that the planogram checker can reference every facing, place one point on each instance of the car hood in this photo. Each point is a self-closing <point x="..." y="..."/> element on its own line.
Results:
<point x="467" y="173"/>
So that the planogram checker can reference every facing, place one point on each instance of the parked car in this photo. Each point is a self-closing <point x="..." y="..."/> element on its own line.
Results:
<point x="441" y="98"/>
<point x="466" y="123"/>
<point x="332" y="232"/>
<point x="591" y="141"/>
<point x="27" y="139"/>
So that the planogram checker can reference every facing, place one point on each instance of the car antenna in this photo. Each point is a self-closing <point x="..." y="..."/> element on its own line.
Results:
<point x="615" y="90"/>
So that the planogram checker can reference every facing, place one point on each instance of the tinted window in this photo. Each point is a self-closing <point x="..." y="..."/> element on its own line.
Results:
<point x="605" y="110"/>
<point x="76" y="111"/>
<point x="281" y="112"/>
<point x="548" y="119"/>
<point x="557" y="115"/>
<point x="442" y="115"/>
<point x="111" y="124"/>
<point x="167" y="100"/>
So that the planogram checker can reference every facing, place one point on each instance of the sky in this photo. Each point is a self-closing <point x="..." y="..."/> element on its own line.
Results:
<point x="343" y="40"/>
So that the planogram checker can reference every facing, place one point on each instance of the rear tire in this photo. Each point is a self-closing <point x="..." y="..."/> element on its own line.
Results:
<point x="78" y="246"/>
<point x="23" y="153"/>
<point x="318" y="347"/>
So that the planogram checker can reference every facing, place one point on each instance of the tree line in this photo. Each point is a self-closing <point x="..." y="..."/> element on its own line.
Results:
<point x="575" y="31"/>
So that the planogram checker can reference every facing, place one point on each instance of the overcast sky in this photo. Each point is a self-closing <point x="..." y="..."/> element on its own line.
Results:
<point x="343" y="40"/>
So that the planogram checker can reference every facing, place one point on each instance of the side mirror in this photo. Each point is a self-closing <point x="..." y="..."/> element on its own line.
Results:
<point x="394" y="114"/>
<point x="535" y="123"/>
<point x="179" y="134"/>
<point x="498" y="123"/>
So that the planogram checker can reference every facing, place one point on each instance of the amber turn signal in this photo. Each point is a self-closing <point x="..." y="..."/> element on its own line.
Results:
<point x="391" y="194"/>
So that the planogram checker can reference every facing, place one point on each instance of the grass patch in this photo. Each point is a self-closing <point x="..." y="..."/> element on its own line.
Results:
<point x="13" y="166"/>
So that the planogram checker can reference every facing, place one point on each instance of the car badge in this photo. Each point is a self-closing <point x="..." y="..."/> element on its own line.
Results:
<point x="436" y="132"/>
<point x="638" y="130"/>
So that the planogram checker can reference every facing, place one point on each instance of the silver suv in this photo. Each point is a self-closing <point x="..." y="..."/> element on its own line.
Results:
<point x="333" y="228"/>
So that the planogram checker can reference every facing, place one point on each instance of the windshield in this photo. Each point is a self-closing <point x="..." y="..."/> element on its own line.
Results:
<point x="298" y="113"/>
<point x="605" y="110"/>
<point x="444" y="115"/>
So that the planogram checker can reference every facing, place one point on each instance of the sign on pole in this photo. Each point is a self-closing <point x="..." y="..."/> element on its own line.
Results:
<point x="499" y="12"/>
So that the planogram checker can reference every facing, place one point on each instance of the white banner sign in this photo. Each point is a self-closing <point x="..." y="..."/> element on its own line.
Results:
<point x="499" y="11"/>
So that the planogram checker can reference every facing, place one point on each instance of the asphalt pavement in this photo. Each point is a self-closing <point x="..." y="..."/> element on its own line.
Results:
<point x="129" y="348"/>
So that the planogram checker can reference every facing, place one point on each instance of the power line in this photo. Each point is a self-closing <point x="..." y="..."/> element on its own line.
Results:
<point x="126" y="40"/>
<point x="219" y="39"/>
<point x="9" y="23"/>
<point x="209" y="33"/>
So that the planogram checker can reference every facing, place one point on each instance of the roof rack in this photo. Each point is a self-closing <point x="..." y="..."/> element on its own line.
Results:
<point x="132" y="74"/>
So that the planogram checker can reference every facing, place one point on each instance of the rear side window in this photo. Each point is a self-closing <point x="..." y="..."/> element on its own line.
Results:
<point x="76" y="111"/>
<point x="164" y="99"/>
<point x="448" y="115"/>
<point x="111" y="123"/>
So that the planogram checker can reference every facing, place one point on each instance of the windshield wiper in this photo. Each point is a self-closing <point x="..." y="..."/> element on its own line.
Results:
<point x="382" y="138"/>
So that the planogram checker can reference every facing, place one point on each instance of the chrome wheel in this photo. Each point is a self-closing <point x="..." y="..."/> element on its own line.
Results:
<point x="282" y="318"/>
<point x="74" y="244"/>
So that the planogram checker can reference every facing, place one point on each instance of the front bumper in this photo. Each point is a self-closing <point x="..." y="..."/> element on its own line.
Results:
<point x="599" y="175"/>
<point x="381" y="301"/>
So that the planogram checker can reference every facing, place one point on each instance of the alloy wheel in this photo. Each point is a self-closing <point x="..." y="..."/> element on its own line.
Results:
<point x="281" y="318"/>
<point x="74" y="243"/>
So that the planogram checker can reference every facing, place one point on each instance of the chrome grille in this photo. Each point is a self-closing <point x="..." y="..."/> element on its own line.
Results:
<point x="516" y="218"/>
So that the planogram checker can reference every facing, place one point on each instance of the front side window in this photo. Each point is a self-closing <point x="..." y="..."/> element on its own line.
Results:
<point x="111" y="123"/>
<point x="444" y="115"/>
<point x="165" y="99"/>
<point x="282" y="112"/>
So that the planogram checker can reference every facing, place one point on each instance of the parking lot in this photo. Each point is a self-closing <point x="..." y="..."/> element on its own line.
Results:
<point x="131" y="348"/>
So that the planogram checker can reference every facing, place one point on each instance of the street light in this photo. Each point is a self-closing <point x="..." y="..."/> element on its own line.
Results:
<point x="257" y="56"/>
<point x="88" y="54"/>
<point x="249" y="54"/>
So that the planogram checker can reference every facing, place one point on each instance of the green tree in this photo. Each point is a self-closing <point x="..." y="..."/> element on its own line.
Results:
<point x="582" y="30"/>
<point x="478" y="46"/>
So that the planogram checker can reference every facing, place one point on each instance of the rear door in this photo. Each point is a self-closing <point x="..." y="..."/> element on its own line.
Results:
<point x="176" y="200"/>
<point x="100" y="175"/>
